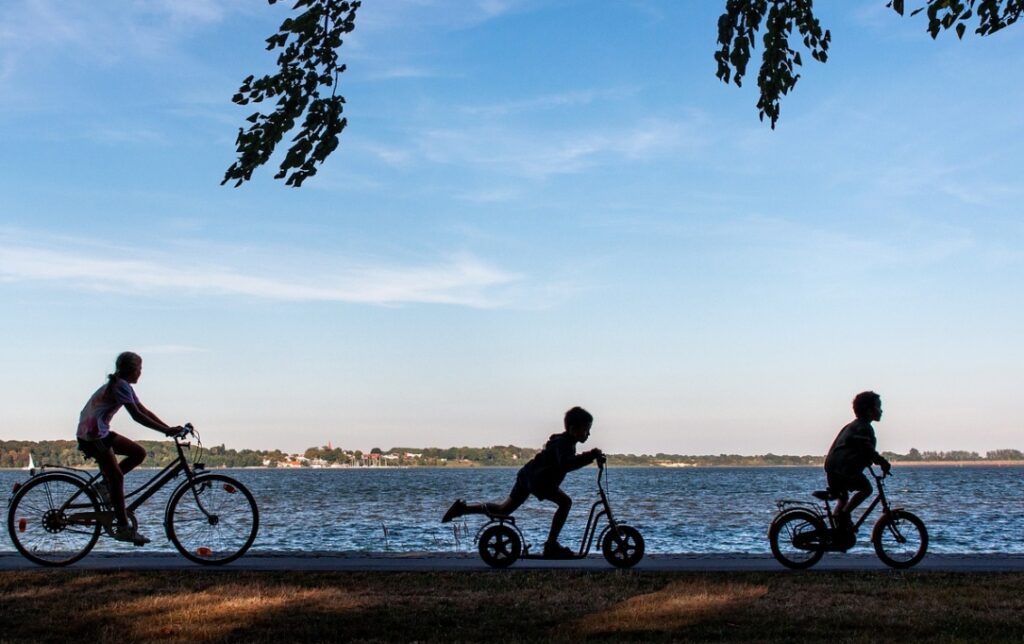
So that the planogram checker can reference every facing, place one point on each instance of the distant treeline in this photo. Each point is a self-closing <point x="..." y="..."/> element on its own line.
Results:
<point x="14" y="454"/>
<point x="159" y="453"/>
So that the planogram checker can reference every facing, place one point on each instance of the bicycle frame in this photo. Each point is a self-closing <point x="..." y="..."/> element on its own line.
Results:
<point x="143" y="493"/>
<point x="879" y="498"/>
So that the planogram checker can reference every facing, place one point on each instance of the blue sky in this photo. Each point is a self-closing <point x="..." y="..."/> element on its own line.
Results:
<point x="536" y="204"/>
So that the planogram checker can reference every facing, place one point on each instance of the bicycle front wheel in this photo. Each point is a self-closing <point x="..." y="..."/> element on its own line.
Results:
<point x="212" y="519"/>
<point x="52" y="519"/>
<point x="900" y="539"/>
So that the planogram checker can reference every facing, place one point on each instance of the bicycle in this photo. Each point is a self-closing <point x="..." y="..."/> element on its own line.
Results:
<point x="501" y="543"/>
<point x="802" y="532"/>
<point x="57" y="516"/>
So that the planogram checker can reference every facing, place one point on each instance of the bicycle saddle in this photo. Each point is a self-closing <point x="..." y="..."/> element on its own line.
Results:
<point x="825" y="495"/>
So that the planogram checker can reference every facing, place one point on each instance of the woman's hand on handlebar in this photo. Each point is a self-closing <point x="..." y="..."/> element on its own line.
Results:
<point x="181" y="431"/>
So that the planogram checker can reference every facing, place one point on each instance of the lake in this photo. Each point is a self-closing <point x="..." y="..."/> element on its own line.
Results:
<point x="974" y="509"/>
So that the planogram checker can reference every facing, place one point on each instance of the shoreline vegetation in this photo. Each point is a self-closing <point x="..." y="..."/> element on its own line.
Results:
<point x="15" y="455"/>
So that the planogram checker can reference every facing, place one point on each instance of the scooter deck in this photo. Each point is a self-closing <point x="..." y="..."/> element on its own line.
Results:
<point x="572" y="558"/>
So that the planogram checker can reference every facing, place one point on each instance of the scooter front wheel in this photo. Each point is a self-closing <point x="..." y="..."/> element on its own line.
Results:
<point x="623" y="546"/>
<point x="500" y="546"/>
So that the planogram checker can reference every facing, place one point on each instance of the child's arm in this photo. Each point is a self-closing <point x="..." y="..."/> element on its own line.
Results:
<point x="568" y="460"/>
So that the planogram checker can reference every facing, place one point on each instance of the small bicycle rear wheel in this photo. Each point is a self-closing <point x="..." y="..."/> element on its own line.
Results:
<point x="623" y="546"/>
<point x="500" y="546"/>
<point x="795" y="538"/>
<point x="212" y="519"/>
<point x="900" y="539"/>
<point x="41" y="519"/>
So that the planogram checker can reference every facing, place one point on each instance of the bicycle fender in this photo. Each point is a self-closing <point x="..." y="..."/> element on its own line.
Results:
<point x="813" y="510"/>
<point x="607" y="528"/>
<point x="492" y="522"/>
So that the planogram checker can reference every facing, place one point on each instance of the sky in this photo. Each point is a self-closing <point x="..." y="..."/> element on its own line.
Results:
<point x="536" y="204"/>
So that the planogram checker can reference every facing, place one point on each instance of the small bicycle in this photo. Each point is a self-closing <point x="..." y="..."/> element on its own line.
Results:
<point x="501" y="543"/>
<point x="56" y="517"/>
<point x="802" y="532"/>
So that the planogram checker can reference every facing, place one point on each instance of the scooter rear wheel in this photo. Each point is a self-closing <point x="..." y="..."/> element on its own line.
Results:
<point x="500" y="546"/>
<point x="623" y="547"/>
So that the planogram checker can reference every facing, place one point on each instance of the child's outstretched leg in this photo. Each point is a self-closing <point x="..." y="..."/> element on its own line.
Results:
<point x="552" y="548"/>
<point x="516" y="498"/>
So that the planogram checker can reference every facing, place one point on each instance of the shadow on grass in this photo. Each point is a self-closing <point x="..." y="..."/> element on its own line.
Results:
<point x="226" y="606"/>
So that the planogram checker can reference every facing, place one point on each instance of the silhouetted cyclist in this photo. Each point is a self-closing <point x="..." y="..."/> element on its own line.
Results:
<point x="542" y="477"/>
<point x="852" y="451"/>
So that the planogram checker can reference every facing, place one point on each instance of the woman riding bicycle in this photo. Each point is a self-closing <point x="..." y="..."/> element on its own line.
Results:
<point x="97" y="441"/>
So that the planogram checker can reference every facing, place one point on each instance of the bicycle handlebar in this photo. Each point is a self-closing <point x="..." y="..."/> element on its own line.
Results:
<point x="884" y="475"/>
<point x="186" y="430"/>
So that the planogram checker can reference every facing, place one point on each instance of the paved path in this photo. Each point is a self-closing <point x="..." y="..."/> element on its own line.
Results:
<point x="342" y="561"/>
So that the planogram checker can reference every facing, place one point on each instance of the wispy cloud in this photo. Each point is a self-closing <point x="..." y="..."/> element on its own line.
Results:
<point x="171" y="349"/>
<point x="460" y="280"/>
<point x="399" y="72"/>
<point x="104" y="32"/>
<point x="549" y="101"/>
<point x="396" y="14"/>
<point x="539" y="154"/>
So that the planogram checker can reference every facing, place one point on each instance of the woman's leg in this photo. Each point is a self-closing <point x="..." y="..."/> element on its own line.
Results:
<point x="133" y="453"/>
<point x="107" y="461"/>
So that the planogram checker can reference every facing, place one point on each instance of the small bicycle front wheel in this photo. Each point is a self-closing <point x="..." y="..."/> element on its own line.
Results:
<point x="52" y="519"/>
<point x="795" y="539"/>
<point x="212" y="519"/>
<point x="623" y="546"/>
<point x="900" y="539"/>
<point x="500" y="546"/>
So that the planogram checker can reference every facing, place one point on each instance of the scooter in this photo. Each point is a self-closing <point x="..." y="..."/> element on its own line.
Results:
<point x="501" y="543"/>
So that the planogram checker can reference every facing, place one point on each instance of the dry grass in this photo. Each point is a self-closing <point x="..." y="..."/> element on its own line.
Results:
<point x="224" y="606"/>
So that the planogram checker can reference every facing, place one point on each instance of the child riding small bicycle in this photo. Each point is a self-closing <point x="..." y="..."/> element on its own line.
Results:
<point x="542" y="477"/>
<point x="851" y="452"/>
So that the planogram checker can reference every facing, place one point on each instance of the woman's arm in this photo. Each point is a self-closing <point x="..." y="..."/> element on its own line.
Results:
<point x="146" y="418"/>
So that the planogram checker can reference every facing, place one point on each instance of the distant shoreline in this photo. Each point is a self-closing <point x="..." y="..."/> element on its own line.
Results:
<point x="667" y="466"/>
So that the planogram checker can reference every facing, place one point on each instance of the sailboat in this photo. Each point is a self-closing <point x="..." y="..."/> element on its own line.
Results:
<point x="31" y="463"/>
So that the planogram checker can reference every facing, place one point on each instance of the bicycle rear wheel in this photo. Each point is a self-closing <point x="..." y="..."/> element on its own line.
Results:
<point x="900" y="539"/>
<point x="212" y="519"/>
<point x="795" y="538"/>
<point x="41" y="519"/>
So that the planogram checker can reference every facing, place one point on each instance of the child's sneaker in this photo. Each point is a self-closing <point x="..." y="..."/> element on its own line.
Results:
<point x="102" y="492"/>
<point x="558" y="551"/>
<point x="457" y="510"/>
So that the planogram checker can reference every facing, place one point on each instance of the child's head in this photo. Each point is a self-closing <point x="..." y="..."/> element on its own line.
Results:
<point x="867" y="405"/>
<point x="128" y="366"/>
<point x="577" y="422"/>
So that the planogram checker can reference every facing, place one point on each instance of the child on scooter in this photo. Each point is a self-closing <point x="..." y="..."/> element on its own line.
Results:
<point x="542" y="477"/>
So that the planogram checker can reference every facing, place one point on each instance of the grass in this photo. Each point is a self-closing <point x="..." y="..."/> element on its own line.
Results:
<point x="225" y="606"/>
